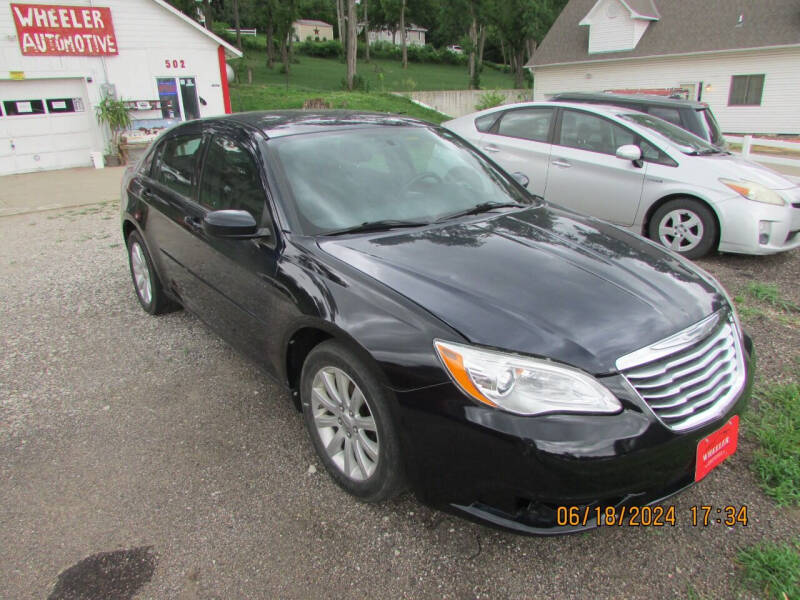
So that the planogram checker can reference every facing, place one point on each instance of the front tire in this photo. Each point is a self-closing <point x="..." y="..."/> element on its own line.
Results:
<point x="146" y="283"/>
<point x="348" y="417"/>
<point x="686" y="226"/>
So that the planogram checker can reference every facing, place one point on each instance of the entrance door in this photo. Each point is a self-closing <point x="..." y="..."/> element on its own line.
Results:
<point x="191" y="107"/>
<point x="44" y="124"/>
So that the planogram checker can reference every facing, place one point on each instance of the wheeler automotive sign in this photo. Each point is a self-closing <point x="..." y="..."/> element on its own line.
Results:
<point x="54" y="30"/>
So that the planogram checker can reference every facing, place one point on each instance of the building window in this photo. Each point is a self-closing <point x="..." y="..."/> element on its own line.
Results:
<point x="20" y="108"/>
<point x="746" y="90"/>
<point x="61" y="105"/>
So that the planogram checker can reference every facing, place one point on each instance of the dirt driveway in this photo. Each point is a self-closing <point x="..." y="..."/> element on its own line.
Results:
<point x="150" y="436"/>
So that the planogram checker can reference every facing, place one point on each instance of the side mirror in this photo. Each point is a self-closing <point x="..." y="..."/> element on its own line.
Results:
<point x="521" y="178"/>
<point x="230" y="224"/>
<point x="631" y="153"/>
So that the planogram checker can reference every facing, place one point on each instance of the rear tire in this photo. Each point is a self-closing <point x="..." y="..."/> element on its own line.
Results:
<point x="146" y="283"/>
<point x="347" y="413"/>
<point x="686" y="226"/>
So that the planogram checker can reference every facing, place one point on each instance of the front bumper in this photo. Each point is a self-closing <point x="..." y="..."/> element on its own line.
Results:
<point x="514" y="471"/>
<point x="740" y="219"/>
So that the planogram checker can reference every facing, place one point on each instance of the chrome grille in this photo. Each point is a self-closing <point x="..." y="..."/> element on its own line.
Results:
<point x="690" y="378"/>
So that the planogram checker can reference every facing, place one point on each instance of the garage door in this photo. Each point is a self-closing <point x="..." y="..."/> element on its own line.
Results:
<point x="44" y="124"/>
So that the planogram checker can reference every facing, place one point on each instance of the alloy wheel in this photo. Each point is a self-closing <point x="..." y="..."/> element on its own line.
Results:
<point x="681" y="230"/>
<point x="141" y="273"/>
<point x="345" y="423"/>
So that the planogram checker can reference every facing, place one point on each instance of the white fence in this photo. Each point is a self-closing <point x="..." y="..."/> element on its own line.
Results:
<point x="748" y="141"/>
<point x="252" y="32"/>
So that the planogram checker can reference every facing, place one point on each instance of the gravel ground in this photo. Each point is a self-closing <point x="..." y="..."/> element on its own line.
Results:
<point x="147" y="444"/>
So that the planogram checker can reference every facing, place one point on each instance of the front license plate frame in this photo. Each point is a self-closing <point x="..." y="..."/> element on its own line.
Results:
<point x="713" y="449"/>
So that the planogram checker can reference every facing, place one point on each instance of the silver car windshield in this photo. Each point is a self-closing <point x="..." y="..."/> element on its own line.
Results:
<point x="384" y="175"/>
<point x="688" y="143"/>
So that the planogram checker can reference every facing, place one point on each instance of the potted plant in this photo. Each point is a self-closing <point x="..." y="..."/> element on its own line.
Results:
<point x="114" y="114"/>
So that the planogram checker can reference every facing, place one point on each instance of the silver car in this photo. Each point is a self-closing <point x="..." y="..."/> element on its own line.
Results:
<point x="642" y="173"/>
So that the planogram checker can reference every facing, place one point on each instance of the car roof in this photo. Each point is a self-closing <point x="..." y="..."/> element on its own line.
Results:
<point x="605" y="109"/>
<point x="645" y="99"/>
<point x="280" y="123"/>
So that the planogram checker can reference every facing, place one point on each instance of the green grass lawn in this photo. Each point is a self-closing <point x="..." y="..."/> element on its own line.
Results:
<point x="328" y="73"/>
<point x="266" y="97"/>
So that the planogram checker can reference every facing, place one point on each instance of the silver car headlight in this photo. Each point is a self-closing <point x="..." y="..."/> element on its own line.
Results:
<point x="523" y="385"/>
<point x="754" y="191"/>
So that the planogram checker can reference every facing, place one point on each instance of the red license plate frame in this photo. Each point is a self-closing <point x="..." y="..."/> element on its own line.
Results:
<point x="713" y="449"/>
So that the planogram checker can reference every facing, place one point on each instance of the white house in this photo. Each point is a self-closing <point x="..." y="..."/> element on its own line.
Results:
<point x="742" y="58"/>
<point x="58" y="60"/>
<point x="415" y="35"/>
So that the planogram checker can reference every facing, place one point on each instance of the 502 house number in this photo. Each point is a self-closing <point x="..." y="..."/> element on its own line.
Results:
<point x="175" y="63"/>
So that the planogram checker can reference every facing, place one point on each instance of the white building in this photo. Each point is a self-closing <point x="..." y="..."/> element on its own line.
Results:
<point x="742" y="58"/>
<point x="58" y="60"/>
<point x="415" y="35"/>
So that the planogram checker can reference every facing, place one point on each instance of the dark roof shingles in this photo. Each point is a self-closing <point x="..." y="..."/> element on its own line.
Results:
<point x="685" y="26"/>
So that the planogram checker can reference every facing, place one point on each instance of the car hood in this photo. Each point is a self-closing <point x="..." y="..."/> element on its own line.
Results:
<point x="734" y="167"/>
<point x="540" y="281"/>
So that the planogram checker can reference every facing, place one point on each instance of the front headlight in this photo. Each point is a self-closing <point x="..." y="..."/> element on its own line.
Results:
<point x="522" y="385"/>
<point x="754" y="191"/>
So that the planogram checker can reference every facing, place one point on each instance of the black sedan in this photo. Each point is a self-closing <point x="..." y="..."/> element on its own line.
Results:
<point x="439" y="327"/>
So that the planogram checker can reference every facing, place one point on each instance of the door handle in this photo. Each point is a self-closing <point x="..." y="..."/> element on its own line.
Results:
<point x="491" y="148"/>
<point x="193" y="222"/>
<point x="147" y="194"/>
<point x="560" y="162"/>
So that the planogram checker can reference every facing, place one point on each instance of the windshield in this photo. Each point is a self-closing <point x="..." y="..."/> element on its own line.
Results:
<point x="404" y="175"/>
<point x="688" y="143"/>
<point x="711" y="124"/>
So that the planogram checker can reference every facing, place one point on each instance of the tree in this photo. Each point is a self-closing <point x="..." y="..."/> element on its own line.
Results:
<point x="352" y="43"/>
<point x="470" y="16"/>
<point x="237" y="24"/>
<point x="366" y="30"/>
<point x="522" y="24"/>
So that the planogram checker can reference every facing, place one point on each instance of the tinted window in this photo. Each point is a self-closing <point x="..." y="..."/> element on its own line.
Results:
<point x="176" y="163"/>
<point x="21" y="108"/>
<point x="231" y="179"/>
<point x="485" y="122"/>
<point x="746" y="90"/>
<point x="668" y="114"/>
<point x="527" y="124"/>
<point x="593" y="133"/>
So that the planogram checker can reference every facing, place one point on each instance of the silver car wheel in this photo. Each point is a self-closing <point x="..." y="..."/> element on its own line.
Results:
<point x="141" y="273"/>
<point x="345" y="424"/>
<point x="681" y="230"/>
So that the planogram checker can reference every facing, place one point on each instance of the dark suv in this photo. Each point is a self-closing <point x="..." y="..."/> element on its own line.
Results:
<point x="692" y="116"/>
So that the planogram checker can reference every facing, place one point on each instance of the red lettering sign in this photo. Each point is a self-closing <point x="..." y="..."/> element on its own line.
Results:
<point x="54" y="30"/>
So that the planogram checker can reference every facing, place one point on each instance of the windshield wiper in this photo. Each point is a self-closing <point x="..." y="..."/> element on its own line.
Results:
<point x="477" y="209"/>
<point x="382" y="225"/>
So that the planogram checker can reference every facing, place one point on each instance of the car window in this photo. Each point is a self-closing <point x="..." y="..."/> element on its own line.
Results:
<point x="589" y="132"/>
<point x="652" y="154"/>
<point x="527" y="124"/>
<point x="231" y="179"/>
<point x="176" y="163"/>
<point x="668" y="114"/>
<point x="686" y="141"/>
<point x="485" y="122"/>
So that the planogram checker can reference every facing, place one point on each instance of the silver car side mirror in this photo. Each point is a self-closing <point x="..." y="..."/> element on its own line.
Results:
<point x="521" y="178"/>
<point x="631" y="153"/>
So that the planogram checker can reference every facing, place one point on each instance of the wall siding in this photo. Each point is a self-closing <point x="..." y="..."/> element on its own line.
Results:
<point x="778" y="112"/>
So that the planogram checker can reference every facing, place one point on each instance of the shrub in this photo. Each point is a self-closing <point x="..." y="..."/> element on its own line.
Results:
<point x="490" y="99"/>
<point x="326" y="49"/>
